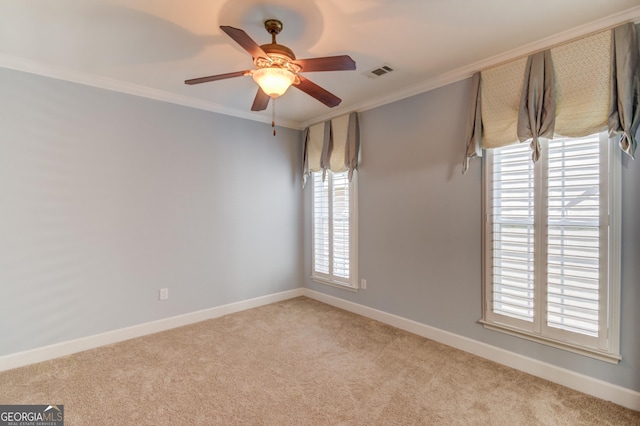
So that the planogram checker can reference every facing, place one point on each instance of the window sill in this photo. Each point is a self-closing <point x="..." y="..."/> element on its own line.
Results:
<point x="581" y="350"/>
<point x="337" y="284"/>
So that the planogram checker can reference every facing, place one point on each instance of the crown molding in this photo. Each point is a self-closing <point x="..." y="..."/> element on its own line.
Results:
<point x="628" y="15"/>
<point x="87" y="79"/>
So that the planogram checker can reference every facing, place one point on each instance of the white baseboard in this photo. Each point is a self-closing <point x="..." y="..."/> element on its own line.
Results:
<point x="598" y="388"/>
<point x="45" y="353"/>
<point x="594" y="387"/>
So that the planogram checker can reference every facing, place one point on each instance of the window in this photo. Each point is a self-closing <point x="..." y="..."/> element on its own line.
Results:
<point x="334" y="229"/>
<point x="551" y="243"/>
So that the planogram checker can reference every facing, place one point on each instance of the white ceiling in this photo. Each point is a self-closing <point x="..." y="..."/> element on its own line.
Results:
<point x="149" y="47"/>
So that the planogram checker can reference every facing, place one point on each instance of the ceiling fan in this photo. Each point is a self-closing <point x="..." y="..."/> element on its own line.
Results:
<point x="277" y="68"/>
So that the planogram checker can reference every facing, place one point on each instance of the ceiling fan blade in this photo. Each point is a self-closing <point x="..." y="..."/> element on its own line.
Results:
<point x="217" y="77"/>
<point x="261" y="101"/>
<point x="328" y="63"/>
<point x="245" y="41"/>
<point x="313" y="90"/>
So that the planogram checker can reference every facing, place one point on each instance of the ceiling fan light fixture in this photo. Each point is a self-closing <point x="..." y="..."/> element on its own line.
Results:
<point x="274" y="81"/>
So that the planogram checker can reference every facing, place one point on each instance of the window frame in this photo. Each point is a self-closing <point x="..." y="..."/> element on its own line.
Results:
<point x="607" y="347"/>
<point x="350" y="283"/>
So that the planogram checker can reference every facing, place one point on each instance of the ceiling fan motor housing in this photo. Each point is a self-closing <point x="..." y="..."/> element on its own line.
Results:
<point x="276" y="49"/>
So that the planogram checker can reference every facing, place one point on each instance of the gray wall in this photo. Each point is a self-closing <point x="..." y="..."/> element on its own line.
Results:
<point x="105" y="198"/>
<point x="420" y="231"/>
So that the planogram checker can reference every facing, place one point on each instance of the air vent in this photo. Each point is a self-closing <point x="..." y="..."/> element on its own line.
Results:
<point x="379" y="72"/>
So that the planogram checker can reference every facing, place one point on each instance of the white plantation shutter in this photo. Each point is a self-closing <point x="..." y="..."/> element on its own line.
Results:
<point x="574" y="213"/>
<point x="547" y="243"/>
<point x="340" y="221"/>
<point x="321" y="231"/>
<point x="333" y="228"/>
<point x="512" y="216"/>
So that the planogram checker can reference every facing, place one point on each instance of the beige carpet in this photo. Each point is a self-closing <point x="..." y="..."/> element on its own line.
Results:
<point x="298" y="362"/>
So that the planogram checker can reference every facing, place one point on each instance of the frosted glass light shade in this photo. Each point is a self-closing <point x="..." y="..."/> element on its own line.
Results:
<point x="273" y="81"/>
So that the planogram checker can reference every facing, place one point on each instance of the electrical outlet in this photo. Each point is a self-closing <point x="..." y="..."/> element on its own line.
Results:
<point x="164" y="293"/>
<point x="363" y="284"/>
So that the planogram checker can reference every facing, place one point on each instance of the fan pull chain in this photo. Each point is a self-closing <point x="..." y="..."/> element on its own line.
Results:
<point x="273" y="115"/>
